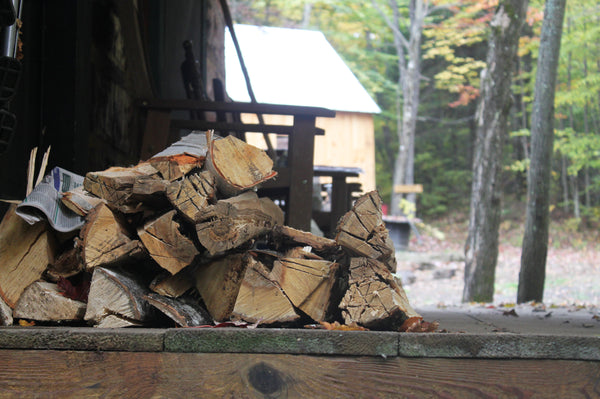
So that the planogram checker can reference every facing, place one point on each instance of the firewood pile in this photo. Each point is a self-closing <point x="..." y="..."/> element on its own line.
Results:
<point x="184" y="240"/>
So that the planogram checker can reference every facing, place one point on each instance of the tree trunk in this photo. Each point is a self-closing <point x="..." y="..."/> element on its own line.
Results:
<point x="409" y="70"/>
<point x="535" y="239"/>
<point x="481" y="249"/>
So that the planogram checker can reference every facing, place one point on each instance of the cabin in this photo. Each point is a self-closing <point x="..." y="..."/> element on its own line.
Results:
<point x="300" y="67"/>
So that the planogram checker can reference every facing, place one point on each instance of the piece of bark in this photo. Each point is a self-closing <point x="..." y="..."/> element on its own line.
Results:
<point x="116" y="185"/>
<point x="362" y="232"/>
<point x="173" y="167"/>
<point x="43" y="301"/>
<point x="166" y="244"/>
<point x="80" y="201"/>
<point x="65" y="265"/>
<point x="374" y="299"/>
<point x="174" y="286"/>
<point x="260" y="300"/>
<point x="6" y="318"/>
<point x="311" y="285"/>
<point x="318" y="243"/>
<point x="235" y="221"/>
<point x="119" y="294"/>
<point x="105" y="241"/>
<point x="219" y="284"/>
<point x="25" y="252"/>
<point x="185" y="311"/>
<point x="237" y="165"/>
<point x="192" y="195"/>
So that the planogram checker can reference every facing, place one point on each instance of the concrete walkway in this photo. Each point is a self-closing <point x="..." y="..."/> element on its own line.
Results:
<point x="520" y="319"/>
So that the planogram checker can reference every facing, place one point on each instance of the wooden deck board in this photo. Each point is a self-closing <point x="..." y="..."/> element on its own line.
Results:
<point x="69" y="374"/>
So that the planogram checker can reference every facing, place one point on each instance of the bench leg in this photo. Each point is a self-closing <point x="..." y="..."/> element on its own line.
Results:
<point x="301" y="147"/>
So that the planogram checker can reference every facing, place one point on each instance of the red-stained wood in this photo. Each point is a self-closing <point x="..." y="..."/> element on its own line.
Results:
<point x="32" y="373"/>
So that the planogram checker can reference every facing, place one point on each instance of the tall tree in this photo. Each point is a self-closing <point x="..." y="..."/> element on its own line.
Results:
<point x="408" y="51"/>
<point x="535" y="239"/>
<point x="481" y="248"/>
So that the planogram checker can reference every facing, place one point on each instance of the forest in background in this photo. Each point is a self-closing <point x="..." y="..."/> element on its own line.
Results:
<point x="453" y="52"/>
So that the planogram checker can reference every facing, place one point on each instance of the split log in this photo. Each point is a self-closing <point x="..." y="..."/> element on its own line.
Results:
<point x="105" y="241"/>
<point x="174" y="286"/>
<point x="173" y="167"/>
<point x="311" y="285"/>
<point x="6" y="318"/>
<point x="80" y="201"/>
<point x="192" y="195"/>
<point x="26" y="251"/>
<point x="116" y="185"/>
<point x="260" y="300"/>
<point x="237" y="165"/>
<point x="185" y="311"/>
<point x="117" y="294"/>
<point x="375" y="299"/>
<point x="235" y="221"/>
<point x="166" y="244"/>
<point x="362" y="232"/>
<point x="219" y="284"/>
<point x="321" y="244"/>
<point x="43" y="301"/>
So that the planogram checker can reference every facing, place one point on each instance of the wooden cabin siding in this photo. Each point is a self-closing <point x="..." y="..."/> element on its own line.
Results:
<point x="349" y="141"/>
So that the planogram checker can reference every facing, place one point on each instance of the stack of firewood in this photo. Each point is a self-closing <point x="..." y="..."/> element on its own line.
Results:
<point x="184" y="239"/>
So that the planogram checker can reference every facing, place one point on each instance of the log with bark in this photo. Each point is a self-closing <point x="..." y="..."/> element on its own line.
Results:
<point x="171" y="249"/>
<point x="219" y="284"/>
<point x="104" y="240"/>
<point x="313" y="286"/>
<point x="237" y="165"/>
<point x="174" y="286"/>
<point x="173" y="167"/>
<point x="43" y="301"/>
<point x="125" y="189"/>
<point x="362" y="232"/>
<point x="116" y="299"/>
<point x="375" y="299"/>
<point x="185" y="311"/>
<point x="6" y="318"/>
<point x="261" y="300"/>
<point x="25" y="253"/>
<point x="192" y="195"/>
<point x="237" y="220"/>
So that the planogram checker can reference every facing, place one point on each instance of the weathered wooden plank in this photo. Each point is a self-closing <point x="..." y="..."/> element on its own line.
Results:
<point x="82" y="339"/>
<point x="408" y="188"/>
<point x="122" y="374"/>
<point x="274" y="340"/>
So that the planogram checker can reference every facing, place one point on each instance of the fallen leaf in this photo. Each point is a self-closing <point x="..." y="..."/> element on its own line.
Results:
<point x="336" y="326"/>
<point x="418" y="325"/>
<point x="25" y="323"/>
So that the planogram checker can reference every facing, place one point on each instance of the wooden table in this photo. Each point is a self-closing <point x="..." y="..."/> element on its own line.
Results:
<point x="294" y="179"/>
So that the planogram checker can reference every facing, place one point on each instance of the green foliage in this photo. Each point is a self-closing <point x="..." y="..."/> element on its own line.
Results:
<point x="454" y="50"/>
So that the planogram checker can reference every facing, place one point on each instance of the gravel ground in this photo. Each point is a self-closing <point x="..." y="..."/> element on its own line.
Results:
<point x="437" y="266"/>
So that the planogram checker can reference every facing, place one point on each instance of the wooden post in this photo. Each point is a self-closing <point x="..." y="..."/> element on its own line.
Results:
<point x="301" y="150"/>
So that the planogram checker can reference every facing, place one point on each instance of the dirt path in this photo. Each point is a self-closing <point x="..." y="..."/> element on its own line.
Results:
<point x="437" y="266"/>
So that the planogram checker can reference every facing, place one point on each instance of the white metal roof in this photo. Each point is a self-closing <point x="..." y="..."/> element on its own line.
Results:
<point x="293" y="67"/>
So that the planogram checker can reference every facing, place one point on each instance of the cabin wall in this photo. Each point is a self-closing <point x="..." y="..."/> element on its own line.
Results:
<point x="349" y="141"/>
